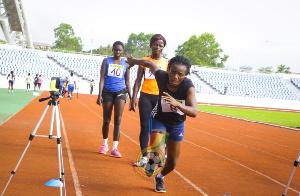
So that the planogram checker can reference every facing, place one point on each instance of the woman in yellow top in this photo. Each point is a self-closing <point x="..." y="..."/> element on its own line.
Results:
<point x="149" y="92"/>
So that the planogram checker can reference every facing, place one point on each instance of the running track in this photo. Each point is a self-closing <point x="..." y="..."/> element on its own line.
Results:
<point x="219" y="155"/>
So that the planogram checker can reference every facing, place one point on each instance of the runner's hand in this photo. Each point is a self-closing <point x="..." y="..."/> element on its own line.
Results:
<point x="132" y="105"/>
<point x="99" y="100"/>
<point x="170" y="100"/>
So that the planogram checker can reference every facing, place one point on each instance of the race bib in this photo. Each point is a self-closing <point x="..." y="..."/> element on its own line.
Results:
<point x="149" y="75"/>
<point x="166" y="107"/>
<point x="115" y="70"/>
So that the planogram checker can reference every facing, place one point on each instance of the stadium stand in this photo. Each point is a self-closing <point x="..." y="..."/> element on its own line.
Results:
<point x="24" y="61"/>
<point x="247" y="85"/>
<point x="296" y="82"/>
<point x="86" y="67"/>
<point x="206" y="81"/>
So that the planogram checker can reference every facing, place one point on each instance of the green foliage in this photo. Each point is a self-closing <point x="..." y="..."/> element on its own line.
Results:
<point x="245" y="68"/>
<point x="288" y="119"/>
<point x="138" y="45"/>
<point x="2" y="41"/>
<point x="104" y="50"/>
<point x="203" y="50"/>
<point x="283" y="69"/>
<point x="266" y="70"/>
<point x="66" y="39"/>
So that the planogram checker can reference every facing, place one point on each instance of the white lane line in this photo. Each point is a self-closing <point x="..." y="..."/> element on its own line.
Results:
<point x="182" y="176"/>
<point x="274" y="143"/>
<point x="244" y="166"/>
<point x="189" y="182"/>
<point x="246" y="146"/>
<point x="71" y="161"/>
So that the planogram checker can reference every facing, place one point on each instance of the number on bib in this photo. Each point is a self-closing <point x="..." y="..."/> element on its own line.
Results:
<point x="166" y="107"/>
<point x="115" y="70"/>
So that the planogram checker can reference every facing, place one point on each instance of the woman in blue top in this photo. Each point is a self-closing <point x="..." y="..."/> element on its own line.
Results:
<point x="113" y="86"/>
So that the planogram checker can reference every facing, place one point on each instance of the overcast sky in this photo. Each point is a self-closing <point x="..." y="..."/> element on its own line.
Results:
<point x="256" y="33"/>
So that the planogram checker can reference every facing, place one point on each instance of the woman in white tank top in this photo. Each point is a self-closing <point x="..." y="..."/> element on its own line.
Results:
<point x="11" y="80"/>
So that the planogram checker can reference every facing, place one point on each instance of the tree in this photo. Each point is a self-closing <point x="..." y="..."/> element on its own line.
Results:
<point x="203" y="50"/>
<point x="138" y="45"/>
<point x="66" y="39"/>
<point x="266" y="70"/>
<point x="104" y="50"/>
<point x="283" y="69"/>
<point x="245" y="68"/>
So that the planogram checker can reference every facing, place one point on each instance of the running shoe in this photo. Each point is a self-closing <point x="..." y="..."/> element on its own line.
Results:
<point x="103" y="149"/>
<point x="115" y="153"/>
<point x="141" y="163"/>
<point x="159" y="185"/>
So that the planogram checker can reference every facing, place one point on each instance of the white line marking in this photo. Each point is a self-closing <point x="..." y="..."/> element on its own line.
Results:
<point x="253" y="170"/>
<point x="189" y="182"/>
<point x="71" y="161"/>
<point x="183" y="177"/>
<point x="240" y="144"/>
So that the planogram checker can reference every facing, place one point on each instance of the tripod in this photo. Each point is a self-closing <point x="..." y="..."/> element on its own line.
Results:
<point x="292" y="174"/>
<point x="55" y="113"/>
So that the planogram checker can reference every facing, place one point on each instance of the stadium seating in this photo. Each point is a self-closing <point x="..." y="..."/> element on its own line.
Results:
<point x="247" y="85"/>
<point x="23" y="62"/>
<point x="87" y="67"/>
<point x="296" y="82"/>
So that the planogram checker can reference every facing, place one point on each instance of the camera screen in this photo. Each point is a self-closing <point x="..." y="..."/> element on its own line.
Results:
<point x="54" y="83"/>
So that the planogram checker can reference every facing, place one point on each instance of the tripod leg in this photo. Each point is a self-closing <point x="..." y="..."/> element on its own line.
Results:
<point x="28" y="144"/>
<point x="292" y="174"/>
<point x="59" y="149"/>
<point x="51" y="123"/>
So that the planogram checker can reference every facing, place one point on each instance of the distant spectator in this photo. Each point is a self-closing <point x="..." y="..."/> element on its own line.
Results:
<point x="62" y="86"/>
<point x="11" y="80"/>
<point x="35" y="82"/>
<point x="92" y="84"/>
<point x="39" y="82"/>
<point x="28" y="81"/>
<point x="71" y="86"/>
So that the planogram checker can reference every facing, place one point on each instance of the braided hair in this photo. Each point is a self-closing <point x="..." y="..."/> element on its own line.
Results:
<point x="182" y="61"/>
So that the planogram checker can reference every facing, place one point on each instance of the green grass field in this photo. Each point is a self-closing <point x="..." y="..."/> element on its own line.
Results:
<point x="11" y="103"/>
<point x="288" y="119"/>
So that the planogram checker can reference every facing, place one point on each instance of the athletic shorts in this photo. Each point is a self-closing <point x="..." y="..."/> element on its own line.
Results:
<point x="10" y="81"/>
<point x="110" y="96"/>
<point x="71" y="87"/>
<point x="172" y="132"/>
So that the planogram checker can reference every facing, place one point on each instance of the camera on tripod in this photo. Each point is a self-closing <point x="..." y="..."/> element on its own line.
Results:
<point x="54" y="84"/>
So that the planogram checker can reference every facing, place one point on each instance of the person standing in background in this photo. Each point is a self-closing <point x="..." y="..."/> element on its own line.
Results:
<point x="62" y="82"/>
<point x="92" y="84"/>
<point x="71" y="86"/>
<point x="35" y="82"/>
<point x="39" y="81"/>
<point x="149" y="92"/>
<point x="11" y="80"/>
<point x="113" y="87"/>
<point x="28" y="81"/>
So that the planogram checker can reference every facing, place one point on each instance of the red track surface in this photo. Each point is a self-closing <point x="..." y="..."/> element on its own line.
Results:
<point x="219" y="155"/>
